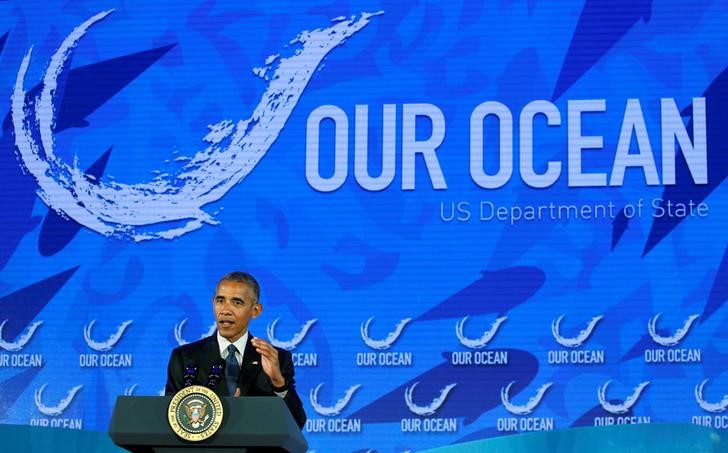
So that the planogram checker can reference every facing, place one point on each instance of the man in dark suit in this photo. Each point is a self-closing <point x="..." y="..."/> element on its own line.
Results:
<point x="254" y="367"/>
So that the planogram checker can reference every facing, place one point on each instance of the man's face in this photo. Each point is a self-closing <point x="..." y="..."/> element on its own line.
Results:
<point x="234" y="304"/>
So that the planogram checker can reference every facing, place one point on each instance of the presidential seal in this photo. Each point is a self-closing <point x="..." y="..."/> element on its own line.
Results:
<point x="195" y="413"/>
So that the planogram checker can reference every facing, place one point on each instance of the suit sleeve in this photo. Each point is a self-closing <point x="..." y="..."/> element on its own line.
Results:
<point x="291" y="399"/>
<point x="174" y="374"/>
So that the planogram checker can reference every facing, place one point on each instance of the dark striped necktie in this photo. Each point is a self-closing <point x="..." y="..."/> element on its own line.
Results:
<point x="232" y="369"/>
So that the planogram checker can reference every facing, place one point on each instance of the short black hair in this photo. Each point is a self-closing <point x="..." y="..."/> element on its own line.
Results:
<point x="242" y="277"/>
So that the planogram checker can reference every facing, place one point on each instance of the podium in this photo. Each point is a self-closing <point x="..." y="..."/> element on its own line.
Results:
<point x="250" y="424"/>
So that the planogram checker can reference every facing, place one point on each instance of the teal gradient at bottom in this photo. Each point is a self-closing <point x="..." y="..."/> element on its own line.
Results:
<point x="661" y="438"/>
<point x="32" y="439"/>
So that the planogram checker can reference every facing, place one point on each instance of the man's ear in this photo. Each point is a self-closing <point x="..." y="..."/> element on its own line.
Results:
<point x="257" y="310"/>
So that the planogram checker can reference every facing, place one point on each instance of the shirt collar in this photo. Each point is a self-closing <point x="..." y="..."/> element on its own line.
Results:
<point x="223" y="344"/>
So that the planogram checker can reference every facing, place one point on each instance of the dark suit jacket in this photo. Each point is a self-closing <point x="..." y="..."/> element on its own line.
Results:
<point x="252" y="380"/>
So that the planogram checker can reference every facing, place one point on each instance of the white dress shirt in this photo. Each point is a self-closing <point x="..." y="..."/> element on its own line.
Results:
<point x="240" y="344"/>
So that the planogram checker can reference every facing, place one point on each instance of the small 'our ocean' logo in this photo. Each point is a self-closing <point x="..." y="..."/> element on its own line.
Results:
<point x="294" y="341"/>
<point x="674" y="339"/>
<point x="388" y="341"/>
<point x="529" y="406"/>
<point x="428" y="409"/>
<point x="580" y="338"/>
<point x="54" y="411"/>
<point x="21" y="341"/>
<point x="103" y="346"/>
<point x="715" y="408"/>
<point x="477" y="343"/>
<point x="626" y="405"/>
<point x="336" y="408"/>
<point x="180" y="338"/>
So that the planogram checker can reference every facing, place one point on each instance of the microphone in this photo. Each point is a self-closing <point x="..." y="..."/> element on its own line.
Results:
<point x="216" y="372"/>
<point x="190" y="374"/>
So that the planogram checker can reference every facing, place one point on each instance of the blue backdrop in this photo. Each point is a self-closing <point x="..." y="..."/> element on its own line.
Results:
<point x="469" y="219"/>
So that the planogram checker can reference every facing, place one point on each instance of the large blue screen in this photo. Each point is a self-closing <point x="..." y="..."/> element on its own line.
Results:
<point x="469" y="219"/>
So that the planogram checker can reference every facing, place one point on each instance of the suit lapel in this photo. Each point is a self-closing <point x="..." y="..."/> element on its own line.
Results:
<point x="250" y="368"/>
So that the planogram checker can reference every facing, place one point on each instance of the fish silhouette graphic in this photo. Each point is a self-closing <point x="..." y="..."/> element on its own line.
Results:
<point x="330" y="411"/>
<point x="293" y="342"/>
<point x="388" y="341"/>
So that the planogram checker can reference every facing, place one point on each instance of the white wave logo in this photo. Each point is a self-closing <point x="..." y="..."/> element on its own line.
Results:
<point x="129" y="391"/>
<point x="170" y="205"/>
<point x="53" y="411"/>
<point x="527" y="408"/>
<point x="388" y="341"/>
<point x="18" y="344"/>
<point x="579" y="339"/>
<point x="102" y="346"/>
<point x="673" y="339"/>
<point x="180" y="338"/>
<point x="330" y="411"/>
<point x="710" y="407"/>
<point x="430" y="408"/>
<point x="626" y="405"/>
<point x="484" y="339"/>
<point x="293" y="342"/>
